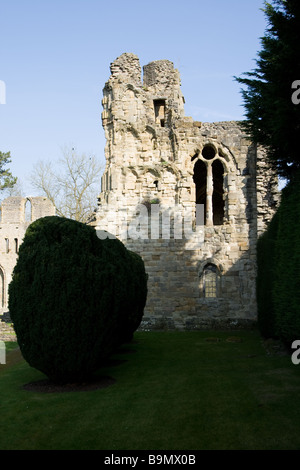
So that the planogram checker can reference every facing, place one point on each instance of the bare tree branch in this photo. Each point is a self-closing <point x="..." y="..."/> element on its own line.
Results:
<point x="72" y="185"/>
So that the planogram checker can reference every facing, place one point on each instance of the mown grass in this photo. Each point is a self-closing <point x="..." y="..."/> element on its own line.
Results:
<point x="172" y="391"/>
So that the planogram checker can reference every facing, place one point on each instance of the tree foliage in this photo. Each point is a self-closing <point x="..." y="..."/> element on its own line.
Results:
<point x="286" y="291"/>
<point x="278" y="259"/>
<point x="273" y="119"/>
<point x="71" y="184"/>
<point x="74" y="298"/>
<point x="7" y="180"/>
<point x="266" y="272"/>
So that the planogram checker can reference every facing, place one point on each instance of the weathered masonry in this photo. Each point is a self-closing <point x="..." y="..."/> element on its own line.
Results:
<point x="17" y="213"/>
<point x="201" y="263"/>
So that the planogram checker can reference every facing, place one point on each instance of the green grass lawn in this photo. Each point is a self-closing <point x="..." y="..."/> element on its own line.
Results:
<point x="172" y="391"/>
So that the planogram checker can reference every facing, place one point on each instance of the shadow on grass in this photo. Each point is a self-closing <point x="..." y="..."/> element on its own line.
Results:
<point x="180" y="390"/>
<point x="47" y="386"/>
<point x="96" y="382"/>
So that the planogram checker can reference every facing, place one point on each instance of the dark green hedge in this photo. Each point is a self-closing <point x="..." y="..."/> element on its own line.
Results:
<point x="266" y="252"/>
<point x="278" y="279"/>
<point x="74" y="298"/>
<point x="287" y="281"/>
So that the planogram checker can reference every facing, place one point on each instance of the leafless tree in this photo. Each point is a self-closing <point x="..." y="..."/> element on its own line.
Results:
<point x="72" y="183"/>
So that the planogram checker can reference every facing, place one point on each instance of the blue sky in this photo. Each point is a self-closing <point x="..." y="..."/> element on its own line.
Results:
<point x="55" y="59"/>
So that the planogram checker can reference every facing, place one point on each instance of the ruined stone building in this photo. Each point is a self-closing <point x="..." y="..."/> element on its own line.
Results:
<point x="190" y="197"/>
<point x="17" y="213"/>
<point x="208" y="194"/>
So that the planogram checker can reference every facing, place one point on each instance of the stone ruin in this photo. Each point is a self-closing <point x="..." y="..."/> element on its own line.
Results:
<point x="17" y="213"/>
<point x="190" y="197"/>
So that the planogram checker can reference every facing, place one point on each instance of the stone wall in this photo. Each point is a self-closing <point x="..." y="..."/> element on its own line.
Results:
<point x="157" y="156"/>
<point x="17" y="213"/>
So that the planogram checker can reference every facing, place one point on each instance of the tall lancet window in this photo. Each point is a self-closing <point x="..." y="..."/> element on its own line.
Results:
<point x="218" y="192"/>
<point x="200" y="179"/>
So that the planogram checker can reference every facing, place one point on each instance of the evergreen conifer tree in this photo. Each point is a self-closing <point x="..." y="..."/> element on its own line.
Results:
<point x="272" y="90"/>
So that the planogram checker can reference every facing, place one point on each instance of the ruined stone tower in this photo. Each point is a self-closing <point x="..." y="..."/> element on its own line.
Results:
<point x="191" y="198"/>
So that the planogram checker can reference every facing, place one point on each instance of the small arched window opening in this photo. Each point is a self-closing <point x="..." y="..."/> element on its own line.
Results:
<point x="28" y="211"/>
<point x="157" y="185"/>
<point x="218" y="192"/>
<point x="210" y="281"/>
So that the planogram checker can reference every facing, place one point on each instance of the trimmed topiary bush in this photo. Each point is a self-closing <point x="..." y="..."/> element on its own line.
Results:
<point x="131" y="296"/>
<point x="138" y="296"/>
<point x="72" y="298"/>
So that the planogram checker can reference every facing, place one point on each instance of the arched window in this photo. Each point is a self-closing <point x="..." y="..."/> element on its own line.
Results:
<point x="200" y="180"/>
<point x="210" y="281"/>
<point x="28" y="211"/>
<point x="209" y="180"/>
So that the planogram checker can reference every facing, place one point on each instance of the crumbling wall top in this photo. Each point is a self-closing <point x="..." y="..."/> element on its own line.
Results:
<point x="127" y="64"/>
<point x="160" y="73"/>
